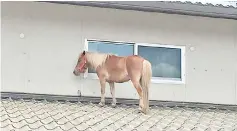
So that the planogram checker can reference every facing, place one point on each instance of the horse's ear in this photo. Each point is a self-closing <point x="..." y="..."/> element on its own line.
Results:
<point x="84" y="53"/>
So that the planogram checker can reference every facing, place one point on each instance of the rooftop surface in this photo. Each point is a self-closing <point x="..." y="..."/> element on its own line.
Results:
<point x="30" y="114"/>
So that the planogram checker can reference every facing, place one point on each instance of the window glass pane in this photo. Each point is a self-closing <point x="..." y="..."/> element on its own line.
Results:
<point x="119" y="49"/>
<point x="166" y="62"/>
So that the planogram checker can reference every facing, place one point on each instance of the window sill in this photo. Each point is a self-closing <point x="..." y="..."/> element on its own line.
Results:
<point x="156" y="81"/>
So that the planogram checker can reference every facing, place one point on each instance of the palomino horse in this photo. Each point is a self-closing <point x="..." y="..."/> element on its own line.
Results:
<point x="114" y="69"/>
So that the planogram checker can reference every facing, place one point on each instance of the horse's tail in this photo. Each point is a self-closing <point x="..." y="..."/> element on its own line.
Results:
<point x="145" y="81"/>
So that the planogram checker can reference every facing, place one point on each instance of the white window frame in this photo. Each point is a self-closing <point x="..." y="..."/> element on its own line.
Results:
<point x="154" y="79"/>
<point x="168" y="80"/>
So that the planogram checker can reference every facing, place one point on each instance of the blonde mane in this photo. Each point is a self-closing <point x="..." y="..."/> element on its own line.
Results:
<point x="96" y="59"/>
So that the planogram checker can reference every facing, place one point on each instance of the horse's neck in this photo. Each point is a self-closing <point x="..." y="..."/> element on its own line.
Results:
<point x="96" y="59"/>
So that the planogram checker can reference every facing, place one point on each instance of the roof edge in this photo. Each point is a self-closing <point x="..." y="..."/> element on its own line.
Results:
<point x="120" y="101"/>
<point x="162" y="7"/>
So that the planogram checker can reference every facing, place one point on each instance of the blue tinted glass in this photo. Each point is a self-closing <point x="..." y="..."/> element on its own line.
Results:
<point x="166" y="62"/>
<point x="119" y="49"/>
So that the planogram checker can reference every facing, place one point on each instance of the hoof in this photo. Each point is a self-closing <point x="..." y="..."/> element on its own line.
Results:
<point x="138" y="112"/>
<point x="113" y="105"/>
<point x="142" y="110"/>
<point x="101" y="104"/>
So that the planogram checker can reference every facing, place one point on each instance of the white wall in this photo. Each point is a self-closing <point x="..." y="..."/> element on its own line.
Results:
<point x="43" y="61"/>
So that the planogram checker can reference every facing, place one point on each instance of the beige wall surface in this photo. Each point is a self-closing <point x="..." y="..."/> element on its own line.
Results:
<point x="54" y="35"/>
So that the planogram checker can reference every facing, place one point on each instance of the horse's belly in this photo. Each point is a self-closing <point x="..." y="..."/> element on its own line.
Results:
<point x="119" y="78"/>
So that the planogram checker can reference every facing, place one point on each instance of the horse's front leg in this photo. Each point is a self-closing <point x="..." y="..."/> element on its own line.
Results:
<point x="112" y="91"/>
<point x="102" y="84"/>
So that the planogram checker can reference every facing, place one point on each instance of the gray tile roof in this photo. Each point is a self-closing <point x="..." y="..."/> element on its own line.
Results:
<point x="227" y="10"/>
<point x="227" y="4"/>
<point x="29" y="114"/>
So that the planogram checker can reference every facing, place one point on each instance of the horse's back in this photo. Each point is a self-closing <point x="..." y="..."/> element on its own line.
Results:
<point x="121" y="69"/>
<point x="134" y="61"/>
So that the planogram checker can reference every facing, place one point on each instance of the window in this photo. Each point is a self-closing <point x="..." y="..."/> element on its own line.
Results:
<point x="167" y="61"/>
<point x="117" y="48"/>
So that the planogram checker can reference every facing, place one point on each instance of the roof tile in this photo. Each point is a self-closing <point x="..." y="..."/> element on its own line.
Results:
<point x="44" y="115"/>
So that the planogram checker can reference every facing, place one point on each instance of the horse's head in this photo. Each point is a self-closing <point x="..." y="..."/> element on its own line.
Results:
<point x="81" y="64"/>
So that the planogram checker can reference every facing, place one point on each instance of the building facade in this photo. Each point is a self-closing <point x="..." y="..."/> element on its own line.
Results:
<point x="194" y="58"/>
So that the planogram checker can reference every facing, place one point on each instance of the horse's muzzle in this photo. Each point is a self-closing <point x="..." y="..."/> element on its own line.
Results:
<point x="75" y="73"/>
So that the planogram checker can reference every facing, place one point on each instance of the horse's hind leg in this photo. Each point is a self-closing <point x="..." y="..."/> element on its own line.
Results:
<point x="137" y="85"/>
<point x="112" y="91"/>
<point x="102" y="84"/>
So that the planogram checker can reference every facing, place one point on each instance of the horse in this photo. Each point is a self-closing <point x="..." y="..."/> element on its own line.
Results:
<point x="117" y="69"/>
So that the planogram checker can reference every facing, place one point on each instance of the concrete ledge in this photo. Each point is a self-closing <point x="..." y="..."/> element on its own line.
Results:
<point x="49" y="97"/>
